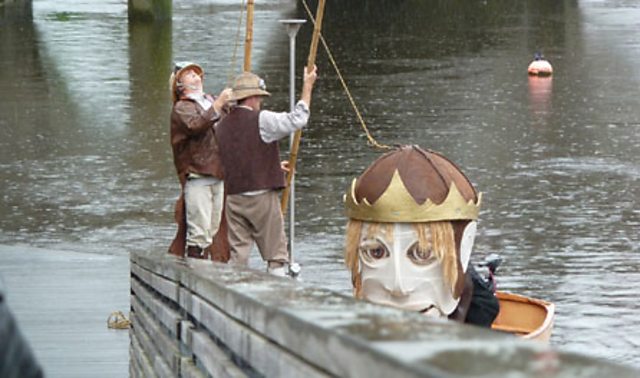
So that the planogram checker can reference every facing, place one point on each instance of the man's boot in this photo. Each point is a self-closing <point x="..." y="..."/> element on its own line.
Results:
<point x="277" y="268"/>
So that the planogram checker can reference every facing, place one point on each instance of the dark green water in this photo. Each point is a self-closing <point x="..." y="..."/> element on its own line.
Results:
<point x="85" y="161"/>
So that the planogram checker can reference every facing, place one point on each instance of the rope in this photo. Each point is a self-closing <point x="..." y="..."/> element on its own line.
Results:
<point x="231" y="72"/>
<point x="371" y="140"/>
<point x="117" y="320"/>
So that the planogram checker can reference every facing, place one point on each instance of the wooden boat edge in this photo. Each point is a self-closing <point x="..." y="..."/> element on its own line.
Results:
<point x="543" y="331"/>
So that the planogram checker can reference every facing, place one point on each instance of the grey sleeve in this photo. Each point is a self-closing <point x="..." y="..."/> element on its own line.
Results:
<point x="275" y="126"/>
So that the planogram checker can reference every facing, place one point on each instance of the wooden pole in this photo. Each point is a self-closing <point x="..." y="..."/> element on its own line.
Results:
<point x="248" y="37"/>
<point x="295" y="146"/>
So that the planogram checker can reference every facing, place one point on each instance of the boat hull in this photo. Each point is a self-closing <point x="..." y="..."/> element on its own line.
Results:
<point x="526" y="317"/>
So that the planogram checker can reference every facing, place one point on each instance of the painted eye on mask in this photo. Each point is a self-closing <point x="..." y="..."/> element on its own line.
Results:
<point x="373" y="251"/>
<point x="420" y="257"/>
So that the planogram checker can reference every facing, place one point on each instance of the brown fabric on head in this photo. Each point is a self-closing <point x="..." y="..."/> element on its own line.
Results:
<point x="444" y="247"/>
<point x="351" y="246"/>
<point x="426" y="175"/>
<point x="458" y="231"/>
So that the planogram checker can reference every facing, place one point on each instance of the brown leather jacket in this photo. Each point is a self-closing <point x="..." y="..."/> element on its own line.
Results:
<point x="193" y="141"/>
<point x="195" y="151"/>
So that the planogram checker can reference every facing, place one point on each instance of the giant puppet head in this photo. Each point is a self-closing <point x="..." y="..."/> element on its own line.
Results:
<point x="412" y="223"/>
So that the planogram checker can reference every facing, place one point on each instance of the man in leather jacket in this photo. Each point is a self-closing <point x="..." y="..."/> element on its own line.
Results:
<point x="199" y="209"/>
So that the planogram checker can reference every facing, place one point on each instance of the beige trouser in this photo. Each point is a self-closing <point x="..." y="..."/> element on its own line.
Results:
<point x="204" y="211"/>
<point x="256" y="218"/>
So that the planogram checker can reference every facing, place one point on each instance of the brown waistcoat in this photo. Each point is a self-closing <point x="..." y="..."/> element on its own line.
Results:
<point x="249" y="163"/>
<point x="192" y="139"/>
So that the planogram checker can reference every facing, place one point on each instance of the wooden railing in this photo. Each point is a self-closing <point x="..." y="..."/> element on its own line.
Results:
<point x="193" y="318"/>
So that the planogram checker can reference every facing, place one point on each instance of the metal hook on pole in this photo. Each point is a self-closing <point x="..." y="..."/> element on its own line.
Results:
<point x="292" y="25"/>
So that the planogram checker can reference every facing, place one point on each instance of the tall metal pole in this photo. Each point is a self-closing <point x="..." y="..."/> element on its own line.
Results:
<point x="292" y="25"/>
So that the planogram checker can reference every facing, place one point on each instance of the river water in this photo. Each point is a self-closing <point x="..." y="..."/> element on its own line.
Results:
<point x="86" y="163"/>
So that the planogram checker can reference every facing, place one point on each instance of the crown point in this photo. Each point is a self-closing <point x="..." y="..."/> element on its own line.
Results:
<point x="397" y="205"/>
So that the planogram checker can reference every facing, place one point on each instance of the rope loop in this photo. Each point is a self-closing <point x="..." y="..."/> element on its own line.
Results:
<point x="370" y="139"/>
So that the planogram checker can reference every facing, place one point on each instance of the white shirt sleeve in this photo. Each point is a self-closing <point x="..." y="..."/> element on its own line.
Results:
<point x="275" y="126"/>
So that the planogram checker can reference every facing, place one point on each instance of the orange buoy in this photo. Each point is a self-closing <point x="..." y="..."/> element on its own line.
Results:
<point x="540" y="66"/>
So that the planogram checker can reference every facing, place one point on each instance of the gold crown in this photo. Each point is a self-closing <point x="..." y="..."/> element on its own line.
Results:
<point x="397" y="205"/>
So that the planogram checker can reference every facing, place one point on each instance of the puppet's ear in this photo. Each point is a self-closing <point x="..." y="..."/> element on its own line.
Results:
<point x="466" y="244"/>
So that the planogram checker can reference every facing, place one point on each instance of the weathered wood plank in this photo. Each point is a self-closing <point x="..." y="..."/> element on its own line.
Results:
<point x="215" y="361"/>
<point x="166" y="266"/>
<point x="140" y="356"/>
<point x="185" y="333"/>
<point x="135" y="370"/>
<point x="166" y="346"/>
<point x="163" y="370"/>
<point x="162" y="311"/>
<point x="188" y="369"/>
<point x="149" y="347"/>
<point x="165" y="287"/>
<point x="265" y="357"/>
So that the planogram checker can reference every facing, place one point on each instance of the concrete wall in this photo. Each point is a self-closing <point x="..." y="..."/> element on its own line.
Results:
<point x="143" y="10"/>
<point x="150" y="10"/>
<point x="16" y="10"/>
<point x="193" y="318"/>
<point x="12" y="2"/>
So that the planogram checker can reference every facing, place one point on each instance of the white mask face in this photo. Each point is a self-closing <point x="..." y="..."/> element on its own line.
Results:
<point x="395" y="273"/>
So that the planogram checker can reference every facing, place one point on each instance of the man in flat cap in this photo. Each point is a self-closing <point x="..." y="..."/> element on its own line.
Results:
<point x="248" y="139"/>
<point x="195" y="156"/>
